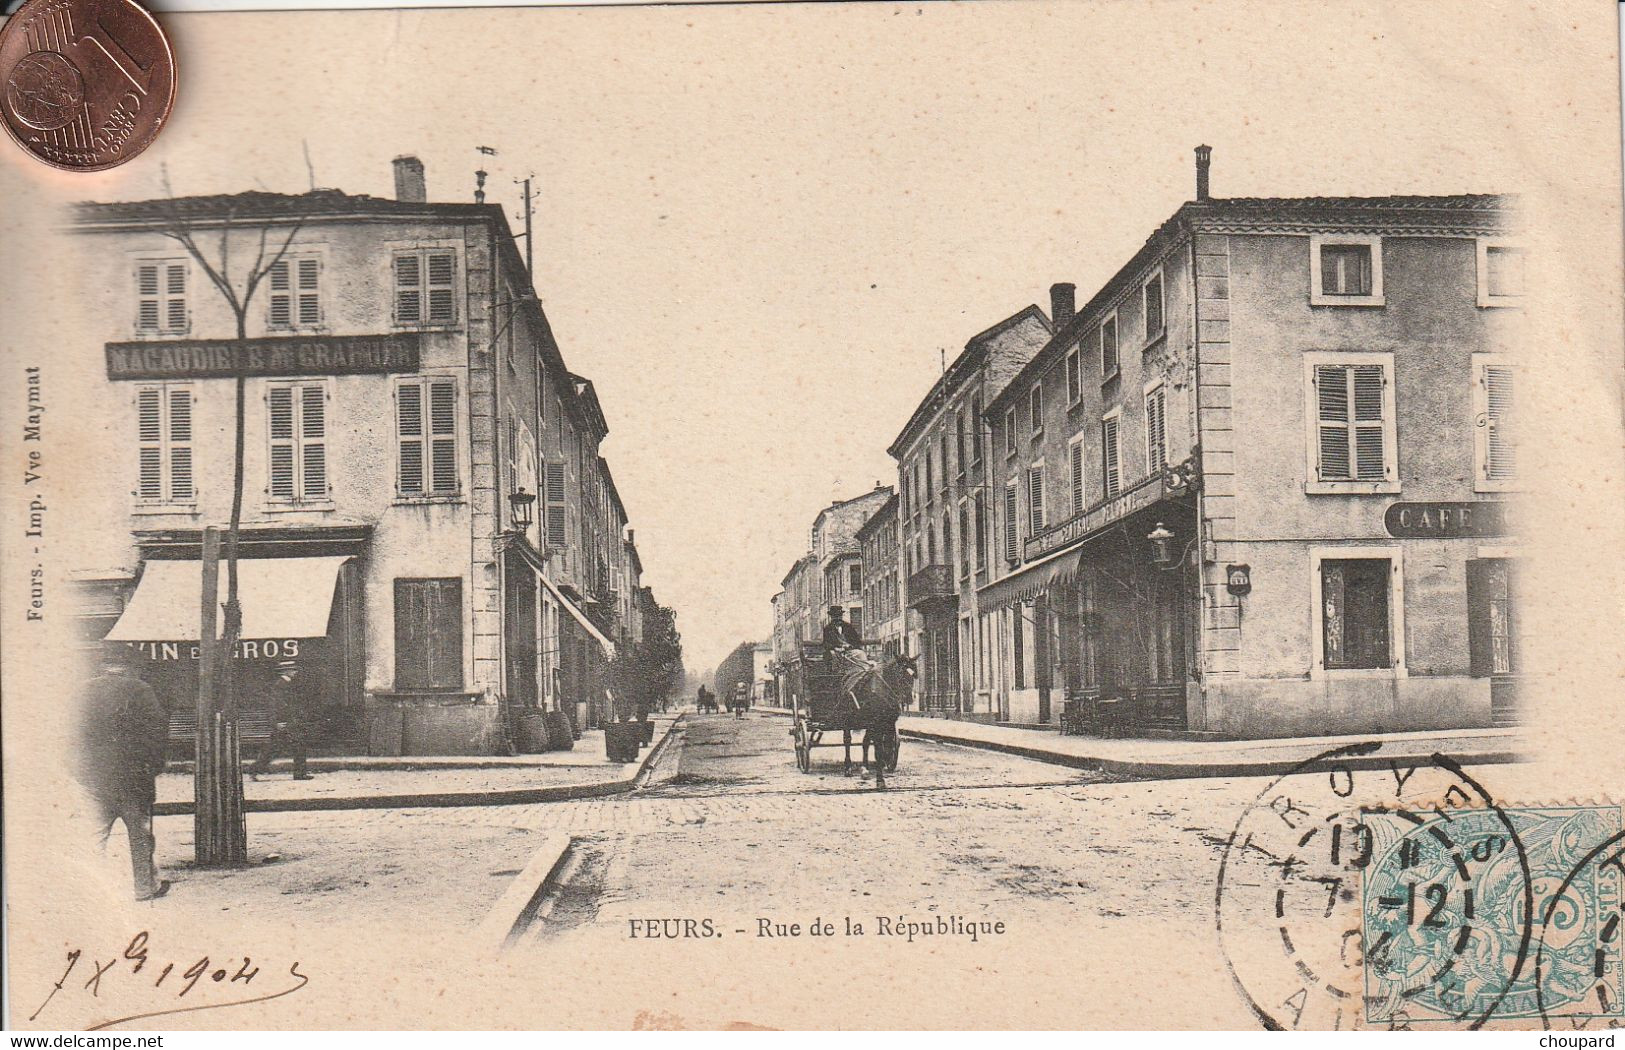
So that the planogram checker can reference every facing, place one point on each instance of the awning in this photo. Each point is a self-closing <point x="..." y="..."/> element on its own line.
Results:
<point x="280" y="598"/>
<point x="581" y="617"/>
<point x="1031" y="581"/>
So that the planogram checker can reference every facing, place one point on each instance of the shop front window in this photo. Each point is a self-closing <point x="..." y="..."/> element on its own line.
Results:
<point x="1355" y="620"/>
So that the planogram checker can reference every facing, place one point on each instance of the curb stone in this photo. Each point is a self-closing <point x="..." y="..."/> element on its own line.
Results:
<point x="443" y="799"/>
<point x="513" y="912"/>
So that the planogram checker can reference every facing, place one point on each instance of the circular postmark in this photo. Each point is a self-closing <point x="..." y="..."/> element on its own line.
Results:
<point x="1579" y="958"/>
<point x="84" y="84"/>
<point x="1353" y="891"/>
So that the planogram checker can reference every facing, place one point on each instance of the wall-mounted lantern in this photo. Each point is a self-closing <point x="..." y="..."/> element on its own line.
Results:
<point x="521" y="503"/>
<point x="1162" y="547"/>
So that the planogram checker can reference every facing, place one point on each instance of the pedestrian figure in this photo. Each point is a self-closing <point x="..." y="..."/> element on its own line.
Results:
<point x="845" y="647"/>
<point x="123" y="729"/>
<point x="290" y="708"/>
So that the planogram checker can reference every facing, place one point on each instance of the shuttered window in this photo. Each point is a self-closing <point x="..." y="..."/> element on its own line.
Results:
<point x="1035" y="407"/>
<point x="1108" y="347"/>
<point x="1497" y="452"/>
<point x="294" y="296"/>
<point x="1012" y="536"/>
<point x="1010" y="432"/>
<point x="1035" y="498"/>
<point x="1153" y="307"/>
<point x="426" y="286"/>
<point x="554" y="506"/>
<point x="1352" y="422"/>
<point x="1074" y="455"/>
<point x="1156" y="429"/>
<point x="429" y="634"/>
<point x="426" y="429"/>
<point x="1074" y="377"/>
<point x="1111" y="475"/>
<point x="164" y="445"/>
<point x="979" y="512"/>
<point x="297" y="418"/>
<point x="160" y="294"/>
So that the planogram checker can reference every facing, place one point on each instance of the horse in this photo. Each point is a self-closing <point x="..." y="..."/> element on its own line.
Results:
<point x="881" y="695"/>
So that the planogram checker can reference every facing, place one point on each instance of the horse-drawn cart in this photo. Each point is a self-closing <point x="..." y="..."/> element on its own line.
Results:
<point x="822" y="705"/>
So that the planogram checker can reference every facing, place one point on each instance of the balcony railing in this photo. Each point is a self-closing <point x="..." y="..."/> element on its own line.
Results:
<point x="931" y="583"/>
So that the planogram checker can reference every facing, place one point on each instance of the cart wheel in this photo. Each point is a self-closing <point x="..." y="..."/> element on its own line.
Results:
<point x="803" y="747"/>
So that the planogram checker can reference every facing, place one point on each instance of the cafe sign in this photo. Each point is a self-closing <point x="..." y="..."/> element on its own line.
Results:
<point x="1446" y="521"/>
<point x="335" y="355"/>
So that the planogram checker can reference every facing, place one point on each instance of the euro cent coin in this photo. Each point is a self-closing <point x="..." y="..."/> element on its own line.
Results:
<point x="85" y="84"/>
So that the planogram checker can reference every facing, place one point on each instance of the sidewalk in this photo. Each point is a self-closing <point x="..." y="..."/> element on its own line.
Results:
<point x="362" y="782"/>
<point x="1175" y="759"/>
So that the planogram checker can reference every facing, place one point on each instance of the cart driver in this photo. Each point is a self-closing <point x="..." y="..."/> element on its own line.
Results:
<point x="845" y="648"/>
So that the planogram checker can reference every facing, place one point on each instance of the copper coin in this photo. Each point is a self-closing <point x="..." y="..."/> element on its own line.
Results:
<point x="84" y="84"/>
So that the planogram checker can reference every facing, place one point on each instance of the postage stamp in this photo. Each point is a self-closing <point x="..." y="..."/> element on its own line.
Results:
<point x="1458" y="923"/>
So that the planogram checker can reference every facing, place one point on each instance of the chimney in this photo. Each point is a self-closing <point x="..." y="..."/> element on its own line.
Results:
<point x="1204" y="155"/>
<point x="1062" y="303"/>
<point x="409" y="184"/>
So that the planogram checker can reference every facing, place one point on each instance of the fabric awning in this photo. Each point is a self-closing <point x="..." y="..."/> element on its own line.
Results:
<point x="580" y="617"/>
<point x="280" y="598"/>
<point x="1031" y="581"/>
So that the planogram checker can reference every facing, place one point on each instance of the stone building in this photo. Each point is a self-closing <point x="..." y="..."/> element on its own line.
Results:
<point x="882" y="593"/>
<point x="408" y="413"/>
<point x="943" y="510"/>
<point x="1254" y="487"/>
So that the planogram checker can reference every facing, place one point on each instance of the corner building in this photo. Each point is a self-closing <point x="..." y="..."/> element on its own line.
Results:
<point x="1259" y="484"/>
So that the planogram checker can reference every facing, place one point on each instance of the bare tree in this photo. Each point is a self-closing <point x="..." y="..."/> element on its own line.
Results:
<point x="220" y="834"/>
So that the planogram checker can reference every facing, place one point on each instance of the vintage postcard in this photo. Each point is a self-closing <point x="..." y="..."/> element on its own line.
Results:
<point x="863" y="516"/>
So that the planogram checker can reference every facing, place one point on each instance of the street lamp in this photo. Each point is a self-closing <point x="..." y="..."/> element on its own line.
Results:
<point x="521" y="503"/>
<point x="1162" y="547"/>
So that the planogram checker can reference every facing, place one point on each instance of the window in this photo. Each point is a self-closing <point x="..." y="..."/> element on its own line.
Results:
<point x="959" y="431"/>
<point x="1500" y="273"/>
<point x="854" y="616"/>
<point x="425" y="287"/>
<point x="1495" y="450"/>
<point x="294" y="298"/>
<point x="426" y="428"/>
<point x="1010" y="432"/>
<point x="1012" y="537"/>
<point x="554" y="506"/>
<point x="1156" y="428"/>
<point x="1074" y="456"/>
<point x="164" y="443"/>
<point x="979" y="513"/>
<point x="1351" y="409"/>
<point x="429" y="634"/>
<point x="964" y="541"/>
<point x="1108" y="347"/>
<point x="297" y="418"/>
<point x="1111" y="473"/>
<point x="1074" y="378"/>
<point x="976" y="430"/>
<point x="1154" y="306"/>
<point x="1035" y="498"/>
<point x="855" y="577"/>
<point x="1356" y="612"/>
<point x="160" y="295"/>
<point x="1345" y="270"/>
<point x="1035" y="408"/>
<point x="1492" y="637"/>
<point x="947" y="471"/>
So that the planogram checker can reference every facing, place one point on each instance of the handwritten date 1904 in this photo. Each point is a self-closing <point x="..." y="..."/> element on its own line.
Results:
<point x="168" y="978"/>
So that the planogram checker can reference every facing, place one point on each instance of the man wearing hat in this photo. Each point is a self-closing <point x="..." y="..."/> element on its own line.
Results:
<point x="122" y="731"/>
<point x="290" y="707"/>
<point x="845" y="647"/>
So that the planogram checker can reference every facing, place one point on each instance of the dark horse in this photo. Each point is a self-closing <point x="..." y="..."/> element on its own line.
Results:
<point x="881" y="694"/>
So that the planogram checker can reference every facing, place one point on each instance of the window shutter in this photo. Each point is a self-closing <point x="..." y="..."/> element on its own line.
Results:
<point x="313" y="443"/>
<point x="445" y="632"/>
<point x="280" y="407"/>
<point x="1074" y="382"/>
<point x="146" y="288"/>
<point x="409" y="432"/>
<point x="1110" y="469"/>
<point x="442" y="270"/>
<point x="1012" y="552"/>
<point x="1156" y="430"/>
<point x="180" y="446"/>
<point x="1108" y="347"/>
<point x="1075" y="455"/>
<point x="1331" y="395"/>
<point x="443" y="435"/>
<point x="280" y="313"/>
<point x="555" y="510"/>
<point x="1500" y="456"/>
<point x="408" y="288"/>
<point x="175" y="307"/>
<point x="149" y="432"/>
<point x="1036" y="407"/>
<point x="310" y="306"/>
<point x="1035" y="498"/>
<point x="1369" y="455"/>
